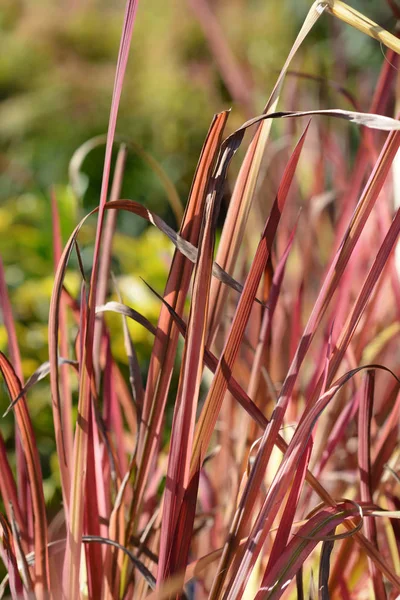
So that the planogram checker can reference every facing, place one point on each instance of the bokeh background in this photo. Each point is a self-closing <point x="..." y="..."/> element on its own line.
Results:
<point x="189" y="59"/>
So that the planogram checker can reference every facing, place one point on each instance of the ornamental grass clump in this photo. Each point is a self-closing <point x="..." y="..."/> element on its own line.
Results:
<point x="279" y="473"/>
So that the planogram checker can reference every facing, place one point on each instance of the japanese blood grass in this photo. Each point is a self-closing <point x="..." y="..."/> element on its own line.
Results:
<point x="284" y="352"/>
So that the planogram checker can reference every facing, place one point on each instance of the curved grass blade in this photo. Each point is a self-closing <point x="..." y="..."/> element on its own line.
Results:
<point x="40" y="373"/>
<point x="78" y="181"/>
<point x="289" y="512"/>
<point x="300" y="547"/>
<point x="244" y="190"/>
<point x="24" y="494"/>
<point x="66" y="406"/>
<point x="41" y="572"/>
<point x="324" y="568"/>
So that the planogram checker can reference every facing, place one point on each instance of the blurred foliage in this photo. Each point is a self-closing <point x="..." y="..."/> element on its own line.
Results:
<point x="57" y="63"/>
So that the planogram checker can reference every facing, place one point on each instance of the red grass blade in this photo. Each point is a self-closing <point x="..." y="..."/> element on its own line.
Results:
<point x="24" y="494"/>
<point x="288" y="515"/>
<point x="301" y="545"/>
<point x="16" y="586"/>
<point x="246" y="558"/>
<point x="165" y="345"/>
<point x="105" y="258"/>
<point x="66" y="404"/>
<point x="75" y="524"/>
<point x="365" y="205"/>
<point x="41" y="568"/>
<point x="187" y="398"/>
<point x="364" y="464"/>
<point x="212" y="405"/>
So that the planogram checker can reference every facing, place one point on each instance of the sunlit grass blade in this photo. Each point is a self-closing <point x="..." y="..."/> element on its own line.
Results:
<point x="263" y="345"/>
<point x="359" y="21"/>
<point x="40" y="373"/>
<point x="366" y="291"/>
<point x="94" y="496"/>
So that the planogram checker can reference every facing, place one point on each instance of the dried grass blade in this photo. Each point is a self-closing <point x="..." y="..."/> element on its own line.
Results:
<point x="356" y="19"/>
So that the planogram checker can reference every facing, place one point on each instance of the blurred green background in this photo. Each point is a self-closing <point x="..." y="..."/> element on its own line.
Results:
<point x="57" y="64"/>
